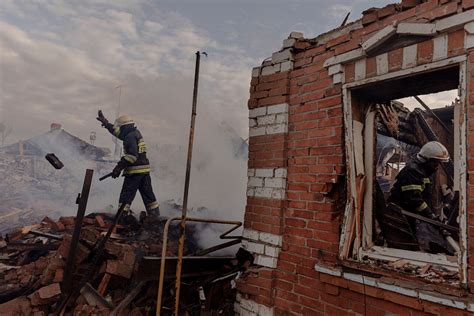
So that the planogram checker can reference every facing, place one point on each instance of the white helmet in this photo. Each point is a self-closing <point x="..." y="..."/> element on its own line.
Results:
<point x="123" y="120"/>
<point x="433" y="150"/>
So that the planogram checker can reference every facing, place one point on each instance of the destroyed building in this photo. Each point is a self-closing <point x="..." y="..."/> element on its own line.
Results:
<point x="328" y="135"/>
<point x="29" y="181"/>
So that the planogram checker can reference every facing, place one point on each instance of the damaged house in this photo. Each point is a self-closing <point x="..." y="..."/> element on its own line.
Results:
<point x="328" y="136"/>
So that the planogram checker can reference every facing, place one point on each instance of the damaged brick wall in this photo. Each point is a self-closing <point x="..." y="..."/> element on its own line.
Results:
<point x="311" y="149"/>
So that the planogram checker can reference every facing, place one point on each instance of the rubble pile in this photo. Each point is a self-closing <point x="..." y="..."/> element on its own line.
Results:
<point x="123" y="281"/>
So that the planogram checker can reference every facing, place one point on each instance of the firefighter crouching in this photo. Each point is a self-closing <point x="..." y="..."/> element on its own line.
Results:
<point x="412" y="191"/>
<point x="134" y="164"/>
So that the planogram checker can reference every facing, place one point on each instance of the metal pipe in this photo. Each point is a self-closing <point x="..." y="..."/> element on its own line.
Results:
<point x="165" y="246"/>
<point x="423" y="104"/>
<point x="81" y="210"/>
<point x="186" y="186"/>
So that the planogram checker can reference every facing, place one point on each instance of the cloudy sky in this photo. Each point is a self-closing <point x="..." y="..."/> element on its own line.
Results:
<point x="60" y="61"/>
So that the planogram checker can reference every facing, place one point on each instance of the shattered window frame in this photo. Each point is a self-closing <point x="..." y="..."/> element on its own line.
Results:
<point x="361" y="245"/>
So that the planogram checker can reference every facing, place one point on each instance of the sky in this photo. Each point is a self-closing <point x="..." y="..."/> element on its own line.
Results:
<point x="61" y="61"/>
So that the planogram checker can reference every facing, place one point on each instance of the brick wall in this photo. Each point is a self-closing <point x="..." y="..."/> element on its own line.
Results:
<point x="297" y="175"/>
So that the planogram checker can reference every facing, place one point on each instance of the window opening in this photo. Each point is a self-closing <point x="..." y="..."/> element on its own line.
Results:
<point x="399" y="207"/>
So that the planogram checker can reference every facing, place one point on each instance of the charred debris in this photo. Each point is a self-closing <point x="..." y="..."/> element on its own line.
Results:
<point x="39" y="273"/>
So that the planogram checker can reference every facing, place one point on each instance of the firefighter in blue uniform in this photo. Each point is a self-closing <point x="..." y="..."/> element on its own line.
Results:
<point x="134" y="164"/>
<point x="412" y="192"/>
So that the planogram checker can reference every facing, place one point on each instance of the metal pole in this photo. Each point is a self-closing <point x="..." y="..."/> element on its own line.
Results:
<point x="436" y="117"/>
<point x="186" y="186"/>
<point x="81" y="210"/>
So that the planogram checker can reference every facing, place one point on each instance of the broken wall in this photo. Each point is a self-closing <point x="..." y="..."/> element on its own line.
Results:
<point x="297" y="169"/>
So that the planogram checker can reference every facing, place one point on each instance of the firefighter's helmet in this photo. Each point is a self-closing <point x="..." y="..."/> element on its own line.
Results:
<point x="123" y="120"/>
<point x="435" y="151"/>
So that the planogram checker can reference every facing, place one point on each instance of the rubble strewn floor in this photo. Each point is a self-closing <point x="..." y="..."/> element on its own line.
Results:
<point x="33" y="260"/>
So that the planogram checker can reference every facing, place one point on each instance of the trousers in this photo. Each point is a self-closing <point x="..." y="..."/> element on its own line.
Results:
<point x="138" y="182"/>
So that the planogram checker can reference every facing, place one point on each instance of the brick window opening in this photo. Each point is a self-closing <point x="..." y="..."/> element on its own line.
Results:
<point x="383" y="133"/>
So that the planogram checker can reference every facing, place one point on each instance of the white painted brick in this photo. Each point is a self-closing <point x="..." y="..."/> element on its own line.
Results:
<point x="278" y="57"/>
<point x="237" y="309"/>
<point x="278" y="108"/>
<point x="360" y="69"/>
<point x="440" y="47"/>
<point x="409" y="56"/>
<point x="245" y="312"/>
<point x="255" y="182"/>
<point x="278" y="194"/>
<point x="252" y="122"/>
<point x="281" y="118"/>
<point x="249" y="305"/>
<point x="254" y="247"/>
<point x="256" y="72"/>
<point x="382" y="64"/>
<point x="335" y="69"/>
<point x="286" y="65"/>
<point x="277" y="129"/>
<point x="469" y="41"/>
<point x="455" y="20"/>
<point x="250" y="192"/>
<point x="264" y="192"/>
<point x="416" y="28"/>
<point x="278" y="183"/>
<point x="281" y="173"/>
<point x="269" y="70"/>
<point x="265" y="261"/>
<point x="245" y="244"/>
<point x="272" y="251"/>
<point x="267" y="119"/>
<point x="253" y="113"/>
<point x="265" y="310"/>
<point x="296" y="35"/>
<point x="289" y="42"/>
<point x="251" y="234"/>
<point x="337" y="78"/>
<point x="250" y="172"/>
<point x="257" y="131"/>
<point x="469" y="37"/>
<point x="263" y="173"/>
<point x="271" y="238"/>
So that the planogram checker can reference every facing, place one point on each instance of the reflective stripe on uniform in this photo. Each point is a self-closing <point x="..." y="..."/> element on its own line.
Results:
<point x="126" y="208"/>
<point x="130" y="158"/>
<point x="116" y="131"/>
<point x="152" y="205"/>
<point x="141" y="146"/>
<point x="422" y="207"/>
<point x="411" y="187"/>
<point x="137" y="169"/>
<point x="426" y="180"/>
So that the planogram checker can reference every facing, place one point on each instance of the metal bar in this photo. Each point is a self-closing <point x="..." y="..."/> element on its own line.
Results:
<point x="165" y="246"/>
<point x="47" y="235"/>
<point x="430" y="221"/>
<point x="217" y="247"/>
<point x="36" y="246"/>
<point x="81" y="210"/>
<point x="186" y="186"/>
<point x="423" y="104"/>
<point x="98" y="253"/>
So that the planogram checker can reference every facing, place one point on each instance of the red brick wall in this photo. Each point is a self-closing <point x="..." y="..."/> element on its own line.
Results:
<point x="313" y="150"/>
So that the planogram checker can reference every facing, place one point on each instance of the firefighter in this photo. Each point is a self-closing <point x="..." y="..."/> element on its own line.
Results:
<point x="134" y="164"/>
<point x="412" y="191"/>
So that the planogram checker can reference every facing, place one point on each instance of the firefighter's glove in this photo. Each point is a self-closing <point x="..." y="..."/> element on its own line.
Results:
<point x="101" y="118"/>
<point x="116" y="172"/>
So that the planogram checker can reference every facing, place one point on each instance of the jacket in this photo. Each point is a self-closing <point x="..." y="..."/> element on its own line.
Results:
<point x="412" y="190"/>
<point x="134" y="159"/>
